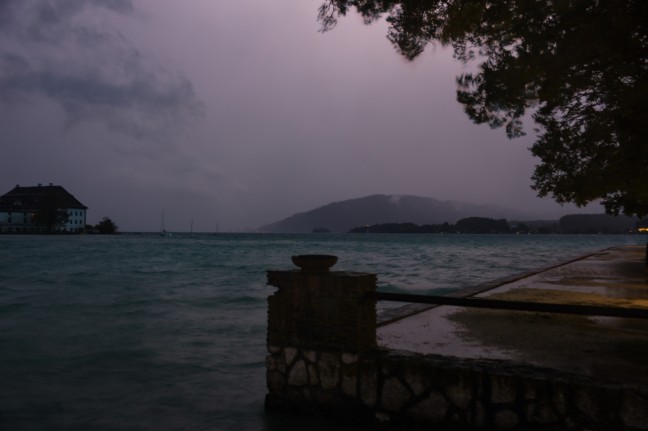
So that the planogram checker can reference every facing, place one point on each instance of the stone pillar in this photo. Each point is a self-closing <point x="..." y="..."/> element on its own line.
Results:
<point x="320" y="327"/>
<point x="322" y="310"/>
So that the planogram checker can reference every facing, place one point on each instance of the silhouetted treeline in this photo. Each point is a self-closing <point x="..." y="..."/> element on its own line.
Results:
<point x="466" y="225"/>
<point x="570" y="224"/>
<point x="597" y="223"/>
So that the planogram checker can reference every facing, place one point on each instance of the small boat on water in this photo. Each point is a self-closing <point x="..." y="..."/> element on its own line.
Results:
<point x="163" y="231"/>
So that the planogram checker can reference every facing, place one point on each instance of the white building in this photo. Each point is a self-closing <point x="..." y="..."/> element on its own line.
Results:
<point x="41" y="209"/>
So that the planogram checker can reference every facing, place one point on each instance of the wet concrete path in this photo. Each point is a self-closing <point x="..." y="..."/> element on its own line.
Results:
<point x="606" y="348"/>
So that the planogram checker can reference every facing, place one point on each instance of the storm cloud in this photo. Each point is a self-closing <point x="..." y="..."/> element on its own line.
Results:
<point x="69" y="52"/>
<point x="236" y="114"/>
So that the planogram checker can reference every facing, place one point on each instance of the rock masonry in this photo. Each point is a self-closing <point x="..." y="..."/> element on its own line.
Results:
<point x="322" y="358"/>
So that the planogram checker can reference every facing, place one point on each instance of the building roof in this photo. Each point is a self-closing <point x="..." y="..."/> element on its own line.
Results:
<point x="31" y="198"/>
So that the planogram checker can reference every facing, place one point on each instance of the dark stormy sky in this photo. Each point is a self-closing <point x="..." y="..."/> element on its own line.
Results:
<point x="236" y="113"/>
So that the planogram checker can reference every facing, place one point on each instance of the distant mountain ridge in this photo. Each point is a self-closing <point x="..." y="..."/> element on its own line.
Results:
<point x="376" y="209"/>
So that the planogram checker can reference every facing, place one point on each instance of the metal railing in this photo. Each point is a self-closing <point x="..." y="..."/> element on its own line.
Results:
<point x="587" y="310"/>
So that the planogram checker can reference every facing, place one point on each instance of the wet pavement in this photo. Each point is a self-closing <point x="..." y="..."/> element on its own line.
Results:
<point x="606" y="348"/>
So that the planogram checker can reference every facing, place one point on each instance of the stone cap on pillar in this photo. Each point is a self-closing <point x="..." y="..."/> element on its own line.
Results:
<point x="315" y="262"/>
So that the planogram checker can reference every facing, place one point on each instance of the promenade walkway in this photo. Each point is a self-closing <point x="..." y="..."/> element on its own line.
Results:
<point x="606" y="348"/>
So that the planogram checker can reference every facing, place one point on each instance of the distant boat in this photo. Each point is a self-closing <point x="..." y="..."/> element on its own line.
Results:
<point x="216" y="232"/>
<point x="163" y="231"/>
<point x="191" y="228"/>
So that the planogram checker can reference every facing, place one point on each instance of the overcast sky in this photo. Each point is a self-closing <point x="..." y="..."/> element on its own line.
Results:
<point x="237" y="113"/>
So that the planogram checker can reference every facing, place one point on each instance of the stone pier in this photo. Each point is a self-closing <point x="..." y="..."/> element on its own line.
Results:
<point x="324" y="358"/>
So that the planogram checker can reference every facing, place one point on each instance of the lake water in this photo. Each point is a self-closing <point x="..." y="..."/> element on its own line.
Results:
<point x="141" y="332"/>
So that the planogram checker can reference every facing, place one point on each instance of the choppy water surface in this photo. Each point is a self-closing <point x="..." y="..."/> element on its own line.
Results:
<point x="139" y="332"/>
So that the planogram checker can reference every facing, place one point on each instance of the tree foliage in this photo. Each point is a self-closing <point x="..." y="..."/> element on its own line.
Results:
<point x="106" y="226"/>
<point x="578" y="68"/>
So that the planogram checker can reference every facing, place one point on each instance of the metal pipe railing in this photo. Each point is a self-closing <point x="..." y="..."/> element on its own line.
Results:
<point x="587" y="310"/>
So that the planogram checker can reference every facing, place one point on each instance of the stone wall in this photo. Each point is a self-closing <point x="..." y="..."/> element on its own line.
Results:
<point x="407" y="390"/>
<point x="323" y="358"/>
